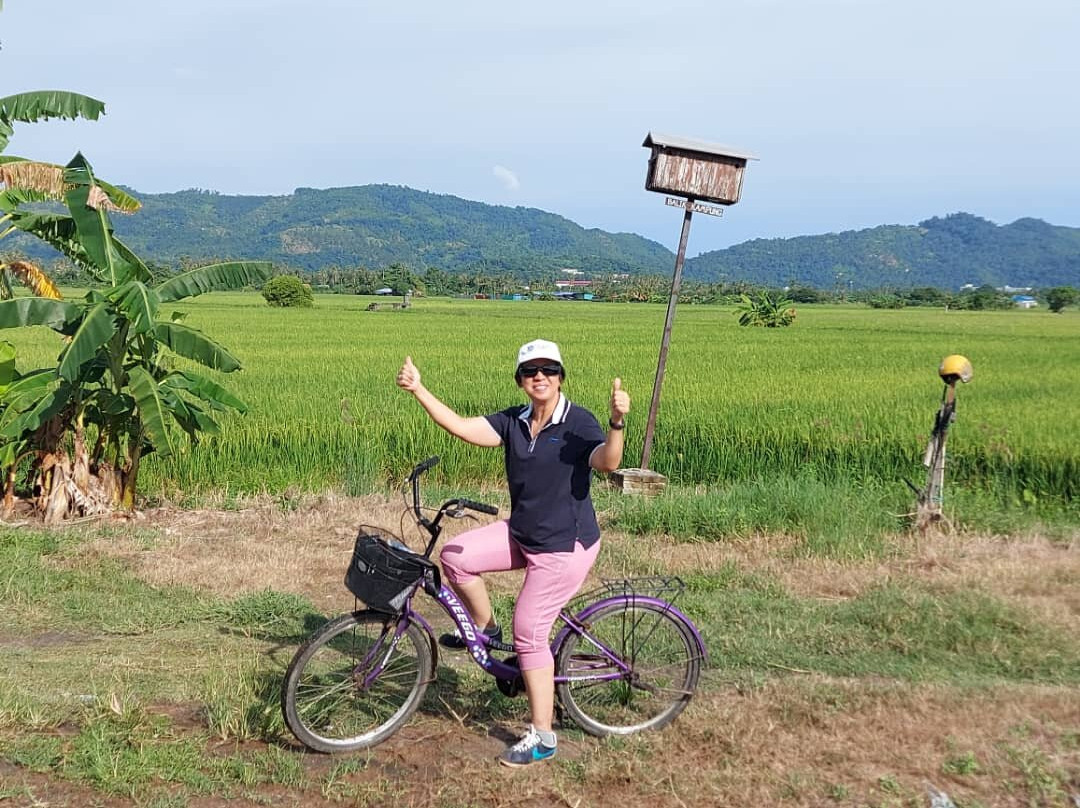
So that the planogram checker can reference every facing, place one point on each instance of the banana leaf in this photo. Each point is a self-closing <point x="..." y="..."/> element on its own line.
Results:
<point x="194" y="345"/>
<point x="152" y="410"/>
<point x="112" y="404"/>
<point x="139" y="270"/>
<point x="59" y="232"/>
<point x="190" y="416"/>
<point x="24" y="311"/>
<point x="9" y="453"/>
<point x="122" y="199"/>
<point x="93" y="225"/>
<point x="228" y="275"/>
<point x="7" y="365"/>
<point x="11" y="198"/>
<point x="96" y="328"/>
<point x="45" y="188"/>
<point x="138" y="304"/>
<point x="28" y="388"/>
<point x="54" y="398"/>
<point x="205" y="389"/>
<point x="41" y="105"/>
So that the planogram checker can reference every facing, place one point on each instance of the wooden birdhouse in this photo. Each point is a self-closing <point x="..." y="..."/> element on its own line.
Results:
<point x="694" y="169"/>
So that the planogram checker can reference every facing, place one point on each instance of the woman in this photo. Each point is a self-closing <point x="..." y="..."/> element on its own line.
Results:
<point x="550" y="447"/>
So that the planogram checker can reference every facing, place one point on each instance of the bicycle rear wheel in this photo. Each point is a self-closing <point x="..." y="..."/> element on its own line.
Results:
<point x="330" y="699"/>
<point x="663" y="658"/>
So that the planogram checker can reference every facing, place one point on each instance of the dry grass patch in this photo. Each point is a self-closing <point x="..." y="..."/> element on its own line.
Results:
<point x="815" y="741"/>
<point x="301" y="547"/>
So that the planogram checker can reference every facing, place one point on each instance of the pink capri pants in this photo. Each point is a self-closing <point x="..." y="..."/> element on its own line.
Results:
<point x="551" y="579"/>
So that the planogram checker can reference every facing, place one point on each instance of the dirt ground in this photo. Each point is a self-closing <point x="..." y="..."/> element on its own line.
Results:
<point x="799" y="739"/>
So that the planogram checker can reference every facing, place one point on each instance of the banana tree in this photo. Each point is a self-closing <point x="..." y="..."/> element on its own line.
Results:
<point x="116" y="380"/>
<point x="765" y="309"/>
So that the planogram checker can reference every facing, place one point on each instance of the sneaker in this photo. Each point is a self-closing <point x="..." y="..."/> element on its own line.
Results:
<point x="530" y="749"/>
<point x="453" y="639"/>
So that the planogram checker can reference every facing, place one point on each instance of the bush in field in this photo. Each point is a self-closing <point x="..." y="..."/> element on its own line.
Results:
<point x="886" y="301"/>
<point x="984" y="298"/>
<point x="288" y="291"/>
<point x="771" y="310"/>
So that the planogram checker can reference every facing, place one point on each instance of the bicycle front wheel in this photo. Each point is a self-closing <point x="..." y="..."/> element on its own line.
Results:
<point x="662" y="662"/>
<point x="351" y="685"/>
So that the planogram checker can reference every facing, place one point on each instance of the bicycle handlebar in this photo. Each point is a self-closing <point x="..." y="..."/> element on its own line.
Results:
<point x="424" y="466"/>
<point x="432" y="526"/>
<point x="479" y="506"/>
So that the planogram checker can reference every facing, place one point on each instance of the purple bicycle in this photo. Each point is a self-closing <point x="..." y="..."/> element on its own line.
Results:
<point x="626" y="659"/>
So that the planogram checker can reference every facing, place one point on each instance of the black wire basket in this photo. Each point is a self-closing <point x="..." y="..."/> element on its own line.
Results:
<point x="384" y="577"/>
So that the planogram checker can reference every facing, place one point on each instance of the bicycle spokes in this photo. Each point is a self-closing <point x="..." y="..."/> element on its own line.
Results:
<point x="632" y="667"/>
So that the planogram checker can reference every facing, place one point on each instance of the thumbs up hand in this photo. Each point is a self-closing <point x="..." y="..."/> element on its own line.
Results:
<point x="620" y="401"/>
<point x="408" y="377"/>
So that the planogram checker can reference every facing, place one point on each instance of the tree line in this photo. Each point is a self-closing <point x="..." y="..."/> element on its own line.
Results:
<point x="491" y="281"/>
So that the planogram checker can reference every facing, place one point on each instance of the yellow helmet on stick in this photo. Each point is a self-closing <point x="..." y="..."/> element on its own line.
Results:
<point x="955" y="368"/>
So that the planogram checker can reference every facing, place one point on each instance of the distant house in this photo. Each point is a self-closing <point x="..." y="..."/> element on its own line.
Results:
<point x="386" y="290"/>
<point x="1024" y="301"/>
<point x="567" y="295"/>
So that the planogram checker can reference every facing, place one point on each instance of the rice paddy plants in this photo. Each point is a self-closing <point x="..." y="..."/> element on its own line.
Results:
<point x="846" y="398"/>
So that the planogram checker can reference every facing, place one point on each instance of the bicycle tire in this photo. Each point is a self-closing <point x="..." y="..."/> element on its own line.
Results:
<point x="665" y="664"/>
<point x="324" y="700"/>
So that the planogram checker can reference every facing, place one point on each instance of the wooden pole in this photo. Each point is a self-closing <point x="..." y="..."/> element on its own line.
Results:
<point x="676" y="281"/>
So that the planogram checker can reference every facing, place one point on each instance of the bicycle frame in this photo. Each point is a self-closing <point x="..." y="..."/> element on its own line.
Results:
<point x="476" y="642"/>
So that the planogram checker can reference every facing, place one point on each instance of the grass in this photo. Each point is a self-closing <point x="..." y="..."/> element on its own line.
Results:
<point x="828" y="520"/>
<point x="898" y="629"/>
<point x="136" y="713"/>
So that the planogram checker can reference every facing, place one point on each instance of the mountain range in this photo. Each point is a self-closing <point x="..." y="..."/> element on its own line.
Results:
<point x="375" y="225"/>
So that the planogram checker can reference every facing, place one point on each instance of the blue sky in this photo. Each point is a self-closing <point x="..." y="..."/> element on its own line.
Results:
<point x="862" y="112"/>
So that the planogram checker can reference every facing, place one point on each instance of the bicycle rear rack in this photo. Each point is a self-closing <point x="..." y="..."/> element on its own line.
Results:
<point x="662" y="587"/>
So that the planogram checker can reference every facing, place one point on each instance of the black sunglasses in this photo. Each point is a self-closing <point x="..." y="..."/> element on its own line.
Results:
<point x="529" y="371"/>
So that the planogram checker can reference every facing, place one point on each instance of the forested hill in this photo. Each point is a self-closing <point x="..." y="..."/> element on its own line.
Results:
<point x="374" y="226"/>
<point x="945" y="252"/>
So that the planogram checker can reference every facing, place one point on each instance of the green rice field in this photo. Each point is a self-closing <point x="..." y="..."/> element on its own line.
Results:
<point x="846" y="394"/>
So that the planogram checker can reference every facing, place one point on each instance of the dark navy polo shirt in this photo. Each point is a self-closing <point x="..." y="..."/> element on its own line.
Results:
<point x="549" y="476"/>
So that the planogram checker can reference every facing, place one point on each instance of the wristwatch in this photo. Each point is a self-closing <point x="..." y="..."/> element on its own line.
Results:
<point x="613" y="425"/>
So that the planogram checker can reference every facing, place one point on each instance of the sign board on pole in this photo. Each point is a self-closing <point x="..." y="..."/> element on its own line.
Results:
<point x="696" y="207"/>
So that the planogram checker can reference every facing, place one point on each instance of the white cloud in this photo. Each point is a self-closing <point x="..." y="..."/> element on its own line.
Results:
<point x="507" y="177"/>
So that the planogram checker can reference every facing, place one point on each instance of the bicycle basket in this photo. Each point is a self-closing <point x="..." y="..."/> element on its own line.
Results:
<point x="382" y="576"/>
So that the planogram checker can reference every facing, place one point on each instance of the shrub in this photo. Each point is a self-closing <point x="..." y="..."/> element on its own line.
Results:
<point x="771" y="310"/>
<point x="288" y="290"/>
<point x="886" y="301"/>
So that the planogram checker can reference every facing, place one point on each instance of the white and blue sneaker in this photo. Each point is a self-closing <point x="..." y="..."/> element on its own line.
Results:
<point x="530" y="749"/>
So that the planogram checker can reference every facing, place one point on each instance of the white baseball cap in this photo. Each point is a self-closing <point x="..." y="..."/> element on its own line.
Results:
<point x="538" y="349"/>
